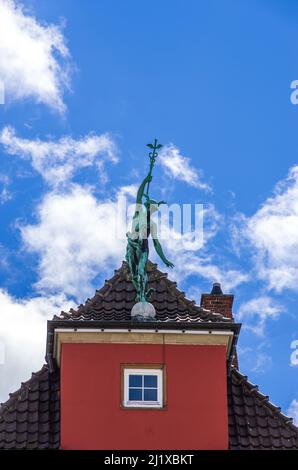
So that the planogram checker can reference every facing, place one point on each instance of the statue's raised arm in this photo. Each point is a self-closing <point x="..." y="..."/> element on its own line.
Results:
<point x="141" y="189"/>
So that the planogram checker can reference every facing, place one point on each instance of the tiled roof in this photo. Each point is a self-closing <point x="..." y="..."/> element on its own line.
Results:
<point x="31" y="417"/>
<point x="114" y="301"/>
<point x="254" y="422"/>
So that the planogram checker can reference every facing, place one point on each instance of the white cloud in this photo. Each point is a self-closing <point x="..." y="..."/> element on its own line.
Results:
<point x="294" y="354"/>
<point x="207" y="269"/>
<point x="34" y="59"/>
<point x="76" y="238"/>
<point x="23" y="336"/>
<point x="293" y="411"/>
<point x="273" y="233"/>
<point x="257" y="311"/>
<point x="192" y="264"/>
<point x="4" y="258"/>
<point x="254" y="359"/>
<point x="129" y="191"/>
<point x="179" y="167"/>
<point x="190" y="253"/>
<point x="57" y="161"/>
<point x="5" y="194"/>
<point x="261" y="363"/>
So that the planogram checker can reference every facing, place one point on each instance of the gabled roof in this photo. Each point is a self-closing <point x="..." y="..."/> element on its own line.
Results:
<point x="31" y="417"/>
<point x="254" y="422"/>
<point x="114" y="301"/>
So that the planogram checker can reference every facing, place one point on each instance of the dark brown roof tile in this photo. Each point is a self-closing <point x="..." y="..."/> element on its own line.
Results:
<point x="30" y="419"/>
<point x="254" y="422"/>
<point x="116" y="298"/>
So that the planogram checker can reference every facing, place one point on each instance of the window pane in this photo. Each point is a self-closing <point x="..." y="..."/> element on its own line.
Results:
<point x="135" y="394"/>
<point x="150" y="394"/>
<point x="150" y="381"/>
<point x="135" y="381"/>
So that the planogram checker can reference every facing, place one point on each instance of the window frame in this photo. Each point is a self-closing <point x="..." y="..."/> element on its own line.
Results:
<point x="143" y="369"/>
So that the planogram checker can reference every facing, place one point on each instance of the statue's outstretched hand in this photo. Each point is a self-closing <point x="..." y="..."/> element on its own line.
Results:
<point x="169" y="264"/>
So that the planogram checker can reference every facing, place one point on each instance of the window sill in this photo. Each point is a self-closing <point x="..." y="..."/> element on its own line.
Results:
<point x="143" y="408"/>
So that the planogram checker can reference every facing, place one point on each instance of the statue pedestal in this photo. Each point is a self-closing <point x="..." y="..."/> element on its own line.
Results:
<point x="143" y="311"/>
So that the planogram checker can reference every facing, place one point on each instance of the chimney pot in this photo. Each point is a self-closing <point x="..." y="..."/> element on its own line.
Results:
<point x="216" y="289"/>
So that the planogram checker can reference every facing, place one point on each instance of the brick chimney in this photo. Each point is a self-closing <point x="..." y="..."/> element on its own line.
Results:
<point x="218" y="302"/>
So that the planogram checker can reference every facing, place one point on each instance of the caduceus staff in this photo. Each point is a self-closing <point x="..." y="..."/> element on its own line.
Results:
<point x="137" y="251"/>
<point x="152" y="155"/>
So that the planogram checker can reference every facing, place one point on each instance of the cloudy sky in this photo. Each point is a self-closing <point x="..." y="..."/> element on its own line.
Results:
<point x="85" y="90"/>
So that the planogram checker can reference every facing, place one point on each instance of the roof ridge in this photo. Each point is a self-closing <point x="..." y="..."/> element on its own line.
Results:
<point x="111" y="302"/>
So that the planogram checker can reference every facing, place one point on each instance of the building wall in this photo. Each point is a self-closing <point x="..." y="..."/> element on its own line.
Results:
<point x="91" y="413"/>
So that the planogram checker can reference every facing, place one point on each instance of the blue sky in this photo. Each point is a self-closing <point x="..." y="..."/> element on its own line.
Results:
<point x="211" y="80"/>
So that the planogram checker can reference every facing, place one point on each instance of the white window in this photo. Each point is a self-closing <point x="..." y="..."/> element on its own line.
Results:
<point x="143" y="388"/>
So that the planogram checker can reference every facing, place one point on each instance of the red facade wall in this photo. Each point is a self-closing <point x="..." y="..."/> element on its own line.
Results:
<point x="196" y="412"/>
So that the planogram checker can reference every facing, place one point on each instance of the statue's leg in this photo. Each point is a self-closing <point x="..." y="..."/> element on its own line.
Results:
<point x="139" y="288"/>
<point x="149" y="294"/>
<point x="143" y="274"/>
<point x="133" y="261"/>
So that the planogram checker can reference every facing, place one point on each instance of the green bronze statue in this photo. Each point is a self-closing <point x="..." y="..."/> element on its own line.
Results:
<point x="143" y="226"/>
